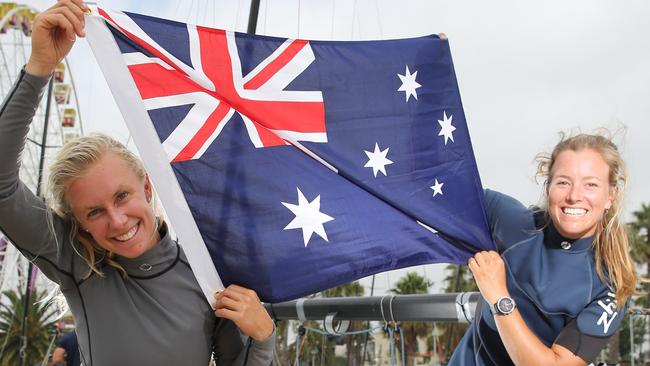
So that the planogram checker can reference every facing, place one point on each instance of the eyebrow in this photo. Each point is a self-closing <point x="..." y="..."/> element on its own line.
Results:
<point x="569" y="178"/>
<point x="121" y="188"/>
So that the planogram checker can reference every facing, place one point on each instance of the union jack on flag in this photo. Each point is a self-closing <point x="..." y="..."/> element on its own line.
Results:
<point x="291" y="166"/>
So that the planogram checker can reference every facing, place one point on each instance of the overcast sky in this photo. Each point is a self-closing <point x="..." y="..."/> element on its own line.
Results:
<point x="526" y="70"/>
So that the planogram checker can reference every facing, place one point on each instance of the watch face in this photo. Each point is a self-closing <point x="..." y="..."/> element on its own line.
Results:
<point x="506" y="305"/>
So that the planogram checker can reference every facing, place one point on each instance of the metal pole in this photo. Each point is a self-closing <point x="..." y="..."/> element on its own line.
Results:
<point x="631" y="340"/>
<point x="434" y="355"/>
<point x="39" y="184"/>
<point x="452" y="307"/>
<point x="252" y="16"/>
<point x="365" y="341"/>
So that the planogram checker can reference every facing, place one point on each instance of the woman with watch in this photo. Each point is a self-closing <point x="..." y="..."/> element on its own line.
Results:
<point x="556" y="290"/>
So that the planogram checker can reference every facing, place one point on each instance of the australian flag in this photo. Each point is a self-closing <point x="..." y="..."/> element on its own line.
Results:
<point x="302" y="164"/>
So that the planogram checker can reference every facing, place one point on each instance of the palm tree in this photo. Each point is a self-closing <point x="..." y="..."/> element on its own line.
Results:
<point x="639" y="234"/>
<point x="412" y="283"/>
<point x="458" y="279"/>
<point x="41" y="327"/>
<point x="640" y="240"/>
<point x="624" y="338"/>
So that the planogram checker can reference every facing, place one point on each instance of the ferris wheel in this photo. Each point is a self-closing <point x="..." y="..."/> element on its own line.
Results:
<point x="56" y="121"/>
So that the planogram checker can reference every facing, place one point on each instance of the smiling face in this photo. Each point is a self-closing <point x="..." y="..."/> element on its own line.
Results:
<point x="111" y="202"/>
<point x="579" y="192"/>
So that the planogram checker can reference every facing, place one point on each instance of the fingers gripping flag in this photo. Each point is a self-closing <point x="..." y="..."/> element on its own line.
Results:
<point x="291" y="166"/>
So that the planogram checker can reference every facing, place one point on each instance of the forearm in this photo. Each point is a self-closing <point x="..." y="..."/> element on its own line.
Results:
<point x="525" y="348"/>
<point x="16" y="113"/>
<point x="258" y="353"/>
<point x="230" y="350"/>
<point x="20" y="210"/>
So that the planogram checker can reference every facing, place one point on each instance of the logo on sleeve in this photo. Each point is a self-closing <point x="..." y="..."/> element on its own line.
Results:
<point x="609" y="311"/>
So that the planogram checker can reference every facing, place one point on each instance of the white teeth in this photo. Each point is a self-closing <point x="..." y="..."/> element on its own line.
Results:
<point x="574" y="211"/>
<point x="128" y="235"/>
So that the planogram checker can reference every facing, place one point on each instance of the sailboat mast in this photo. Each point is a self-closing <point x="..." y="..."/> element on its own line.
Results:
<point x="252" y="16"/>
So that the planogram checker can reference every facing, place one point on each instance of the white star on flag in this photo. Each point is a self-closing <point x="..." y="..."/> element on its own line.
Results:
<point x="377" y="160"/>
<point x="446" y="128"/>
<point x="308" y="217"/>
<point x="409" y="84"/>
<point x="437" y="188"/>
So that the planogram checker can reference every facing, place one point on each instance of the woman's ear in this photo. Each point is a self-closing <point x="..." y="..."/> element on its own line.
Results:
<point x="611" y="197"/>
<point x="148" y="191"/>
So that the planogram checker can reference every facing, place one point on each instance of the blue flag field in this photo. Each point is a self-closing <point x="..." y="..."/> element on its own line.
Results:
<point x="291" y="166"/>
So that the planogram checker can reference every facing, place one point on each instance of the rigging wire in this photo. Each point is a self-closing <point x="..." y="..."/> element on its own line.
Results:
<point x="178" y="6"/>
<point x="381" y="31"/>
<point x="198" y="8"/>
<point x="267" y="5"/>
<point x="333" y="17"/>
<point x="189" y="11"/>
<point x="234" y="28"/>
<point x="49" y="350"/>
<point x="298" y="31"/>
<point x="356" y="10"/>
<point x="205" y="12"/>
<point x="354" y="14"/>
<point x="213" y="14"/>
<point x="74" y="92"/>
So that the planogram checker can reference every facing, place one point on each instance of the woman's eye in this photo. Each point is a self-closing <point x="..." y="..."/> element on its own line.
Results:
<point x="121" y="196"/>
<point x="562" y="183"/>
<point x="93" y="213"/>
<point x="592" y="185"/>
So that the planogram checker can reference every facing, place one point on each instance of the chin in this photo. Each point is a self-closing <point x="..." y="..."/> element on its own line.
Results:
<point x="575" y="232"/>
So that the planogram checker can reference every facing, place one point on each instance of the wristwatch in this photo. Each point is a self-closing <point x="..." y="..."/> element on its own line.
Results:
<point x="504" y="306"/>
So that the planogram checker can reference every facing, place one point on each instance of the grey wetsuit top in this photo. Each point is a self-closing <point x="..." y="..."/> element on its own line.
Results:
<point x="157" y="315"/>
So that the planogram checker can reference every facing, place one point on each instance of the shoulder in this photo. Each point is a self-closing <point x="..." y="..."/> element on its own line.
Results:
<point x="510" y="221"/>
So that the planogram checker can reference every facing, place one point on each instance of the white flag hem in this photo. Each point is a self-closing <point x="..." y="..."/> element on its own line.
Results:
<point x="141" y="127"/>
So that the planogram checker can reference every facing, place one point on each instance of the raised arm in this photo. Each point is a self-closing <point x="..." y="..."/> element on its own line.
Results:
<point x="53" y="34"/>
<point x="22" y="215"/>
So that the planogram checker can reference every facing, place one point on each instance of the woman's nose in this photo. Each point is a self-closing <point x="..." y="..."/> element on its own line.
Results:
<point x="118" y="218"/>
<point x="575" y="194"/>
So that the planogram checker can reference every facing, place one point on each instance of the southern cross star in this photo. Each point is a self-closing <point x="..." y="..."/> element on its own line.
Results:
<point x="446" y="128"/>
<point x="409" y="84"/>
<point x="377" y="160"/>
<point x="437" y="188"/>
<point x="308" y="217"/>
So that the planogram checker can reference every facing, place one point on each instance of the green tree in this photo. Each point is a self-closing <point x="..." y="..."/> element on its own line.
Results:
<point x="459" y="279"/>
<point x="640" y="242"/>
<point x="624" y="338"/>
<point x="639" y="235"/>
<point x="41" y="327"/>
<point x="412" y="283"/>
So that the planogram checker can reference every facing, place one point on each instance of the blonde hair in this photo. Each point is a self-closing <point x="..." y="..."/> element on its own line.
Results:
<point x="70" y="163"/>
<point x="614" y="265"/>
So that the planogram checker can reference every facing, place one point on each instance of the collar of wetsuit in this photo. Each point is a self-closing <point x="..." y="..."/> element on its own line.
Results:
<point x="554" y="239"/>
